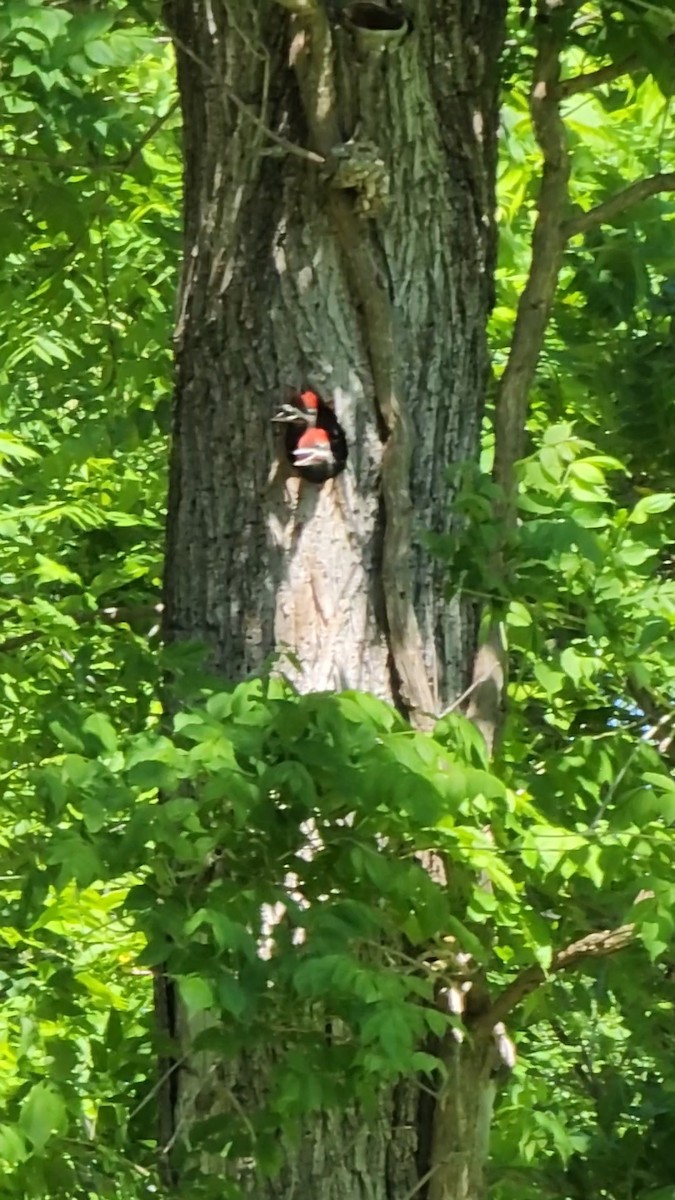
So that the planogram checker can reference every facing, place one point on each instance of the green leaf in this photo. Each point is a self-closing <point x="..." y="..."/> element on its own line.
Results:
<point x="570" y="664"/>
<point x="43" y="1114"/>
<point x="13" y="448"/>
<point x="231" y="995"/>
<point x="196" y="994"/>
<point x="12" y="1146"/>
<point x="101" y="727"/>
<point x="649" y="505"/>
<point x="552" y="681"/>
<point x="65" y="738"/>
<point x="100" y="990"/>
<point x="519" y="616"/>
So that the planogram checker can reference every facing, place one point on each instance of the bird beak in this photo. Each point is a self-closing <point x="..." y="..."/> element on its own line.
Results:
<point x="307" y="457"/>
<point x="290" y="413"/>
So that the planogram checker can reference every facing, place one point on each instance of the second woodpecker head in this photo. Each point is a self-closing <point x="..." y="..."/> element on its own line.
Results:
<point x="303" y="409"/>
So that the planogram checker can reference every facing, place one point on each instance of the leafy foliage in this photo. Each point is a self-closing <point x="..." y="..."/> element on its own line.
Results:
<point x="267" y="846"/>
<point x="89" y="197"/>
<point x="89" y="220"/>
<point x="261" y="797"/>
<point x="589" y="614"/>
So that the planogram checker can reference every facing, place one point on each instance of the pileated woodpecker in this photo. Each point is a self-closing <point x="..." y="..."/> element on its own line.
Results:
<point x="315" y="440"/>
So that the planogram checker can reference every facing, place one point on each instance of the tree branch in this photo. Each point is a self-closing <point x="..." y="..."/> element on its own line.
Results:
<point x="108" y="164"/>
<point x="594" y="945"/>
<point x="583" y="1070"/>
<point x="660" y="715"/>
<point x="550" y="236"/>
<point x="593" y="79"/>
<point x="635" y="193"/>
<point x="548" y="244"/>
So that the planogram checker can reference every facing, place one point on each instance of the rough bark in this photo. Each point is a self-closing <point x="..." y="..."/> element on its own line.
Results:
<point x="287" y="282"/>
<point x="266" y="301"/>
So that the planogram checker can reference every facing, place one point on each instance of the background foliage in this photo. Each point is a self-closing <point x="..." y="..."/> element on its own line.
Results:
<point x="89" y="229"/>
<point x="100" y="883"/>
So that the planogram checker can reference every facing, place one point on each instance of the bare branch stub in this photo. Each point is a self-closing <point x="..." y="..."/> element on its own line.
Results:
<point x="375" y="26"/>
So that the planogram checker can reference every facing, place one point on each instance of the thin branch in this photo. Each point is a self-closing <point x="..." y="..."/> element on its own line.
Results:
<point x="159" y="1084"/>
<point x="288" y="146"/>
<point x="660" y="726"/>
<point x="594" y="945"/>
<point x="660" y="714"/>
<point x="422" y="1181"/>
<point x="583" y="1070"/>
<point x="593" y="79"/>
<point x="61" y="164"/>
<point x="488" y="673"/>
<point x="548" y="244"/>
<point x="635" y="193"/>
<point x="110" y="164"/>
<point x="149" y="134"/>
<point x="246" y="111"/>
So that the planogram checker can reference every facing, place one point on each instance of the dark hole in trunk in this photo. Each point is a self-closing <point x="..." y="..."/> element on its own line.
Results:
<point x="373" y="16"/>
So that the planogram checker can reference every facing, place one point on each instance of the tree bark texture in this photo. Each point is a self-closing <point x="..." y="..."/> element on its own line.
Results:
<point x="267" y="299"/>
<point x="338" y="234"/>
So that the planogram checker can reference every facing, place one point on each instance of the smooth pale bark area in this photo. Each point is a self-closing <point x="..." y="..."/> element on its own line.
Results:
<point x="286" y="283"/>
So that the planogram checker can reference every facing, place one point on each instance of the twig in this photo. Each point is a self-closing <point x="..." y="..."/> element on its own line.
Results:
<point x="149" y="134"/>
<point x="110" y="164"/>
<point x="285" y="143"/>
<point x="593" y="945"/>
<point x="156" y="1088"/>
<point x="635" y="193"/>
<point x="422" y="1181"/>
<point x="103" y="197"/>
<point x="663" y="722"/>
<point x="583" y="1071"/>
<point x="468" y="692"/>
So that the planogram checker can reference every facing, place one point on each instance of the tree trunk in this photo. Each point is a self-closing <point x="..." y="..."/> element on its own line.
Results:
<point x="339" y="184"/>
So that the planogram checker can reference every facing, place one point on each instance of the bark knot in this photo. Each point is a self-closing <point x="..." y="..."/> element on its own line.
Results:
<point x="358" y="166"/>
